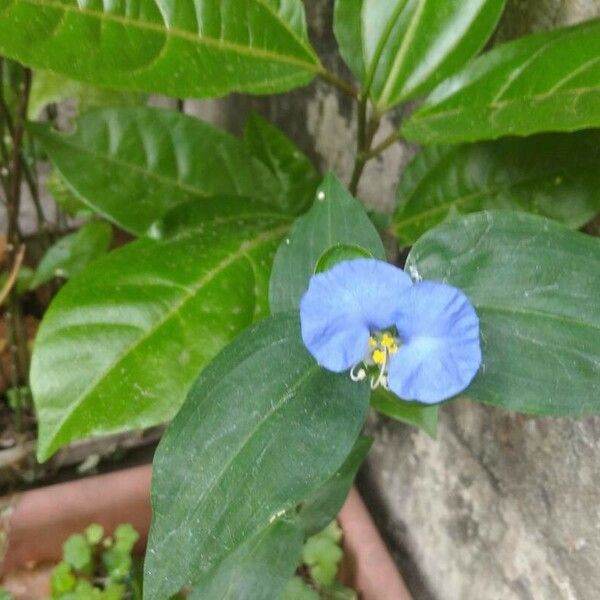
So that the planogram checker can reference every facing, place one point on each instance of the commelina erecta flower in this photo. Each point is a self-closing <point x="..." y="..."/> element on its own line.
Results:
<point x="419" y="340"/>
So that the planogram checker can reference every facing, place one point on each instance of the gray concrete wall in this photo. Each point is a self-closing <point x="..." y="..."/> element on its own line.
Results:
<point x="501" y="506"/>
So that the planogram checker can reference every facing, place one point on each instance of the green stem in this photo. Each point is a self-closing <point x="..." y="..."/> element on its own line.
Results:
<point x="383" y="146"/>
<point x="337" y="82"/>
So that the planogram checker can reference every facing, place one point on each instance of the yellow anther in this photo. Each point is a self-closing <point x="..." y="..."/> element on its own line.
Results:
<point x="372" y="342"/>
<point x="378" y="356"/>
<point x="388" y="341"/>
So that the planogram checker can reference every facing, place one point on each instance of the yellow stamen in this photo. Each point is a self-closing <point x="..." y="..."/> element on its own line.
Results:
<point x="378" y="356"/>
<point x="372" y="342"/>
<point x="388" y="341"/>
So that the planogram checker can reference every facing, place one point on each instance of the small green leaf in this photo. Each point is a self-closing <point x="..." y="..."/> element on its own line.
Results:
<point x="126" y="537"/>
<point x="322" y="554"/>
<point x="547" y="81"/>
<point x="399" y="49"/>
<point x="265" y="424"/>
<point x="62" y="580"/>
<point x="535" y="286"/>
<point x="339" y="253"/>
<point x="202" y="49"/>
<point x="412" y="413"/>
<point x="298" y="590"/>
<point x="323" y="505"/>
<point x="335" y="218"/>
<point x="124" y="339"/>
<point x="73" y="253"/>
<point x="298" y="179"/>
<point x="555" y="175"/>
<point x="132" y="165"/>
<point x="94" y="533"/>
<point x="77" y="552"/>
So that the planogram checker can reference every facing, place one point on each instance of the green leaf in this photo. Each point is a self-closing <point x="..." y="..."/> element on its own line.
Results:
<point x="543" y="82"/>
<point x="322" y="506"/>
<point x="298" y="179"/>
<point x="94" y="533"/>
<point x="339" y="253"/>
<point x="73" y="253"/>
<point x="132" y="165"/>
<point x="412" y="413"/>
<point x="335" y="218"/>
<point x="259" y="569"/>
<point x="48" y="87"/>
<point x="298" y="590"/>
<point x="535" y="286"/>
<point x="554" y="175"/>
<point x="322" y="554"/>
<point x="65" y="197"/>
<point x="263" y="427"/>
<point x="62" y="579"/>
<point x="77" y="552"/>
<point x="179" y="48"/>
<point x="122" y="341"/>
<point x="125" y="537"/>
<point x="400" y="49"/>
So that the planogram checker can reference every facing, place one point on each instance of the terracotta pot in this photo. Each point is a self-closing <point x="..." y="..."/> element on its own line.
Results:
<point x="36" y="524"/>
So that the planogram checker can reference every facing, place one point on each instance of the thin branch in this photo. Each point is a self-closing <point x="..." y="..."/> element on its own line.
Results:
<point x="339" y="83"/>
<point x="380" y="148"/>
<point x="12" y="277"/>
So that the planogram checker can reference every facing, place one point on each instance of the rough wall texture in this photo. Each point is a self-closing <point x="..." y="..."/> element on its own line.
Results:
<point x="501" y="506"/>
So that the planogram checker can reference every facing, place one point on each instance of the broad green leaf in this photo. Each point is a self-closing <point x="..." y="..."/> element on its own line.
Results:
<point x="412" y="413"/>
<point x="554" y="175"/>
<point x="204" y="48"/>
<point x="65" y="197"/>
<point x="259" y="569"/>
<point x="535" y="285"/>
<point x="297" y="176"/>
<point x="48" y="87"/>
<point x="335" y="218"/>
<point x="122" y="341"/>
<point x="321" y="507"/>
<point x="73" y="253"/>
<point x="543" y="82"/>
<point x="399" y="49"/>
<point x="263" y="427"/>
<point x="132" y="165"/>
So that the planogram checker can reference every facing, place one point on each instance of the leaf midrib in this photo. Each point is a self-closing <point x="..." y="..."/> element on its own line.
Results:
<point x="186" y="297"/>
<point x="183" y="34"/>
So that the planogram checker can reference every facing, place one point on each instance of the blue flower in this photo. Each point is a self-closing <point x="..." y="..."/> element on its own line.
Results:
<point x="420" y="340"/>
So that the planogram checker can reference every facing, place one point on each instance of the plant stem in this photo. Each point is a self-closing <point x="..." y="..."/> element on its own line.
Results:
<point x="340" y="84"/>
<point x="380" y="148"/>
<point x="366" y="132"/>
<point x="15" y="330"/>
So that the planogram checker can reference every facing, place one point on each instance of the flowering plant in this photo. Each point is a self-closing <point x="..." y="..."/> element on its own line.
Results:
<point x="250" y="301"/>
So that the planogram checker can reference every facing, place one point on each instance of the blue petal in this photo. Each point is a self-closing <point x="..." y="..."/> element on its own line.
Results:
<point x="344" y="305"/>
<point x="440" y="352"/>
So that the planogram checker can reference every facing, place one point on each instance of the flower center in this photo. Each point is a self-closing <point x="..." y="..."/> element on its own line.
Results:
<point x="382" y="345"/>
